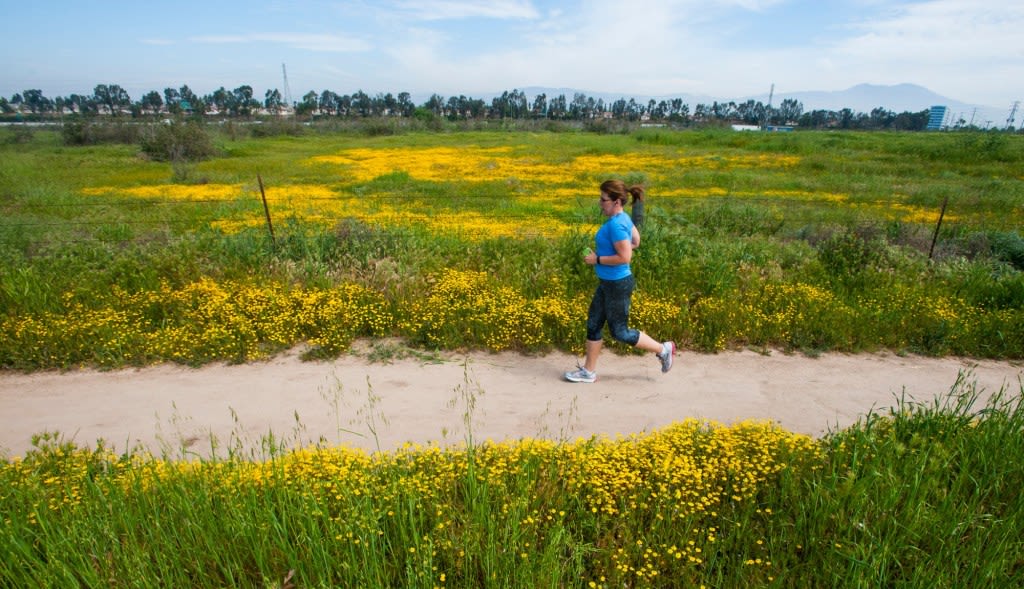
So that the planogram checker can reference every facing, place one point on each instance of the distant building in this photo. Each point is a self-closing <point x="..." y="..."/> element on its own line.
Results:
<point x="936" y="116"/>
<point x="769" y="128"/>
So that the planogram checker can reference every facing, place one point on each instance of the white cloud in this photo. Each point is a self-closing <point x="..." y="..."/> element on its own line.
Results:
<point x="941" y="31"/>
<point x="461" y="9"/>
<point x="954" y="47"/>
<point x="605" y="46"/>
<point x="306" y="41"/>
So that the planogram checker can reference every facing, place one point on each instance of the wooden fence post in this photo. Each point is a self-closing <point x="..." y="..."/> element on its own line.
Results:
<point x="935" y="237"/>
<point x="266" y="210"/>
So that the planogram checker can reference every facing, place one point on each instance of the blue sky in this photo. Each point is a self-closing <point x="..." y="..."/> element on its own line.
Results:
<point x="967" y="50"/>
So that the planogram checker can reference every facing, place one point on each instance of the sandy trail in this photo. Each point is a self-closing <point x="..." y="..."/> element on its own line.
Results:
<point x="351" y="401"/>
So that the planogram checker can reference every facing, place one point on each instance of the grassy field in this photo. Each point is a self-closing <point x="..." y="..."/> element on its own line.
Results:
<point x="808" y="242"/>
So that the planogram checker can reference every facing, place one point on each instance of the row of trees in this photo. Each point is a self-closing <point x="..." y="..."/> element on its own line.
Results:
<point x="112" y="99"/>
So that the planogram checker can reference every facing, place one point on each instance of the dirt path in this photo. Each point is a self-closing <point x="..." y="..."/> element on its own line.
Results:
<point x="354" y="402"/>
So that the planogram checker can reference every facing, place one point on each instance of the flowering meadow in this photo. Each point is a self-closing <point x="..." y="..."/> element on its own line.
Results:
<point x="804" y="242"/>
<point x="471" y="240"/>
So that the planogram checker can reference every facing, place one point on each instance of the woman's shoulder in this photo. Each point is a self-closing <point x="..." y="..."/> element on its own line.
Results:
<point x="620" y="223"/>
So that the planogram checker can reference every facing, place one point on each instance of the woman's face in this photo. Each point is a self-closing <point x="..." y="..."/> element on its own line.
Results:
<point x="607" y="205"/>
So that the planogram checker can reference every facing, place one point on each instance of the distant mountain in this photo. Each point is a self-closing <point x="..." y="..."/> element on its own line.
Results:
<point x="862" y="98"/>
<point x="867" y="97"/>
<point x="897" y="98"/>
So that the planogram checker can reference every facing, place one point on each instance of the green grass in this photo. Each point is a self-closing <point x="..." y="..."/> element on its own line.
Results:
<point x="904" y="495"/>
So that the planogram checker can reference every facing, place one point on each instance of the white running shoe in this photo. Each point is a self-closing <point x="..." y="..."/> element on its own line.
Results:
<point x="581" y="374"/>
<point x="669" y="350"/>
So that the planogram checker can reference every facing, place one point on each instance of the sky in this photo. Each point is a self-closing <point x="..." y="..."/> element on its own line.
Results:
<point x="968" y="50"/>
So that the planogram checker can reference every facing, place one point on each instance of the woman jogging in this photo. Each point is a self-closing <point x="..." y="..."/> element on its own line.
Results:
<point x="613" y="252"/>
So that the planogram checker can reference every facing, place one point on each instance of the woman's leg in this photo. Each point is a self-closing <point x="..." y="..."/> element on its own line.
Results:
<point x="596" y="317"/>
<point x="618" y="297"/>
<point x="649" y="344"/>
<point x="593" y="351"/>
<point x="617" y="302"/>
<point x="595" y="339"/>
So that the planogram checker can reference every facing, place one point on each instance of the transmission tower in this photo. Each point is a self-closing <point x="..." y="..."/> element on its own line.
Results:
<point x="1013" y="114"/>
<point x="768" y="109"/>
<point x="287" y="91"/>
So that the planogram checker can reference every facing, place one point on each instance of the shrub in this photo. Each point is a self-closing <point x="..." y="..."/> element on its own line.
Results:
<point x="1008" y="246"/>
<point x="738" y="219"/>
<point x="19" y="134"/>
<point x="379" y="126"/>
<point x="176" y="142"/>
<point x="846" y="255"/>
<point x="84" y="132"/>
<point x="277" y="127"/>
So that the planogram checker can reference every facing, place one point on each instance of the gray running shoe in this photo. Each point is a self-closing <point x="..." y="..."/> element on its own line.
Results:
<point x="581" y="374"/>
<point x="666" y="359"/>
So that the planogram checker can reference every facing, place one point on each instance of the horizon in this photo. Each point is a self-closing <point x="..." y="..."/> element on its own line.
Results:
<point x="728" y="50"/>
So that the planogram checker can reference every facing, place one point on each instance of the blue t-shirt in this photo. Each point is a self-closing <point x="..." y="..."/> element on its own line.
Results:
<point x="617" y="228"/>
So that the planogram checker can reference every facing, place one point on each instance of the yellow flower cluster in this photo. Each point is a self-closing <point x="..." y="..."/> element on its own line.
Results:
<point x="918" y="319"/>
<point x="193" y="192"/>
<point x="670" y="481"/>
<point x="803" y="316"/>
<point x="201" y="321"/>
<point x="442" y="164"/>
<point x="554" y="182"/>
<point x="446" y="164"/>
<point x="467" y="224"/>
<point x="791" y="315"/>
<point x="235" y="321"/>
<point x="888" y="209"/>
<point x="898" y="211"/>
<point x="800" y="195"/>
<point x="469" y="308"/>
<point x="651" y="314"/>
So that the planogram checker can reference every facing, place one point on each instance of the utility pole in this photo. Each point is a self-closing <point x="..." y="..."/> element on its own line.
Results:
<point x="1013" y="114"/>
<point x="768" y="109"/>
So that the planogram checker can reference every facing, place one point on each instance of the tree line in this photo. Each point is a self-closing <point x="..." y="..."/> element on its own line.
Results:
<point x="113" y="100"/>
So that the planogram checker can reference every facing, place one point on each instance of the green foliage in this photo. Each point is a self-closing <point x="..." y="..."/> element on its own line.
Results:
<point x="603" y="126"/>
<point x="847" y="256"/>
<point x="375" y="127"/>
<point x="430" y="120"/>
<point x="983" y="146"/>
<point x="737" y="219"/>
<point x="82" y="131"/>
<point x="1008" y="246"/>
<point x="276" y="127"/>
<point x="177" y="141"/>
<point x="18" y="134"/>
<point x="923" y="496"/>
